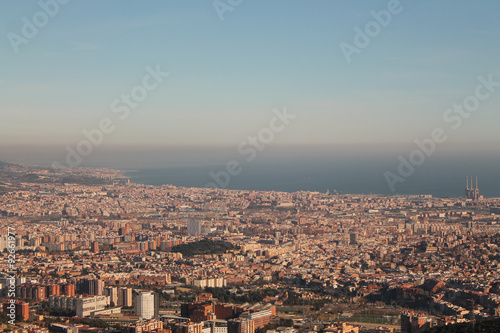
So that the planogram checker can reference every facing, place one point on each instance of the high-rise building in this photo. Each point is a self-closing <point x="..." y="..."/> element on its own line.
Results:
<point x="3" y="242"/>
<point x="145" y="304"/>
<point x="21" y="309"/>
<point x="123" y="231"/>
<point x="112" y="292"/>
<point x="143" y="246"/>
<point x="94" y="247"/>
<point x="65" y="302"/>
<point x="125" y="297"/>
<point x="53" y="290"/>
<point x="31" y="291"/>
<point x="194" y="228"/>
<point x="69" y="289"/>
<point x="353" y="238"/>
<point x="92" y="287"/>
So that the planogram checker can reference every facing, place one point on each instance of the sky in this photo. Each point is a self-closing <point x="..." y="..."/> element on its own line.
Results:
<point x="232" y="64"/>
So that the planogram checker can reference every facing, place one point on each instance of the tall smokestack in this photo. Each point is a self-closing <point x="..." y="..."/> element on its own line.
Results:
<point x="476" y="182"/>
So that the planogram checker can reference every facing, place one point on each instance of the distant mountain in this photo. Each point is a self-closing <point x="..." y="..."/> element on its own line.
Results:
<point x="2" y="164"/>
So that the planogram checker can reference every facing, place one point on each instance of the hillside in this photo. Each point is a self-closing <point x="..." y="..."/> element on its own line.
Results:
<point x="205" y="246"/>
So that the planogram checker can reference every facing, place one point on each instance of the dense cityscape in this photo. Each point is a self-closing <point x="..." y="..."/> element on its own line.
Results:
<point x="86" y="250"/>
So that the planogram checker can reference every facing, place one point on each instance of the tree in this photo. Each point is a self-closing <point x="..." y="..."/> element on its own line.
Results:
<point x="4" y="318"/>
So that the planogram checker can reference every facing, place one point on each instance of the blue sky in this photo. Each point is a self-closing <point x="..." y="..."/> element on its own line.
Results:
<point x="227" y="76"/>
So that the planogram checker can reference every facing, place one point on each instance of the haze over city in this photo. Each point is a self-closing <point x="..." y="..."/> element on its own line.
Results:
<point x="226" y="76"/>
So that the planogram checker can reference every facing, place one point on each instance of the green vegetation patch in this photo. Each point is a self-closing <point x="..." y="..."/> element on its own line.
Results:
<point x="205" y="246"/>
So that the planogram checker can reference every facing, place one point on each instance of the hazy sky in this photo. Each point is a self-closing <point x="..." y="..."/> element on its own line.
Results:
<point x="226" y="76"/>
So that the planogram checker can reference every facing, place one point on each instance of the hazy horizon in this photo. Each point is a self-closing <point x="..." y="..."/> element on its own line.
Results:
<point x="345" y="168"/>
<point x="128" y="157"/>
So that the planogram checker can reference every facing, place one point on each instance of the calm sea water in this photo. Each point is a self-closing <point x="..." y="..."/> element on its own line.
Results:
<point x="441" y="178"/>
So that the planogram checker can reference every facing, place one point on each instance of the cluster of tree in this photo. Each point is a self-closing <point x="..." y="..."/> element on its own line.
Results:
<point x="4" y="318"/>
<point x="60" y="312"/>
<point x="204" y="246"/>
<point x="396" y="296"/>
<point x="253" y="296"/>
<point x="93" y="322"/>
<point x="296" y="299"/>
<point x="187" y="297"/>
<point x="293" y="299"/>
<point x="484" y="326"/>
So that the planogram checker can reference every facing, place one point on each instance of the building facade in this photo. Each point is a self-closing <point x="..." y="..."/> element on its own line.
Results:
<point x="145" y="304"/>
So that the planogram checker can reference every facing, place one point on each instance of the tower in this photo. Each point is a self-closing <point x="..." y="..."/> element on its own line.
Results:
<point x="476" y="192"/>
<point x="471" y="193"/>
<point x="467" y="189"/>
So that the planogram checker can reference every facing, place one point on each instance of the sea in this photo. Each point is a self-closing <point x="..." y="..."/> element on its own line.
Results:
<point x="344" y="168"/>
<point x="439" y="178"/>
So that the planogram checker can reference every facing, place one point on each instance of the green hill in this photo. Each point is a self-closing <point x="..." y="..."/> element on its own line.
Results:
<point x="205" y="246"/>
